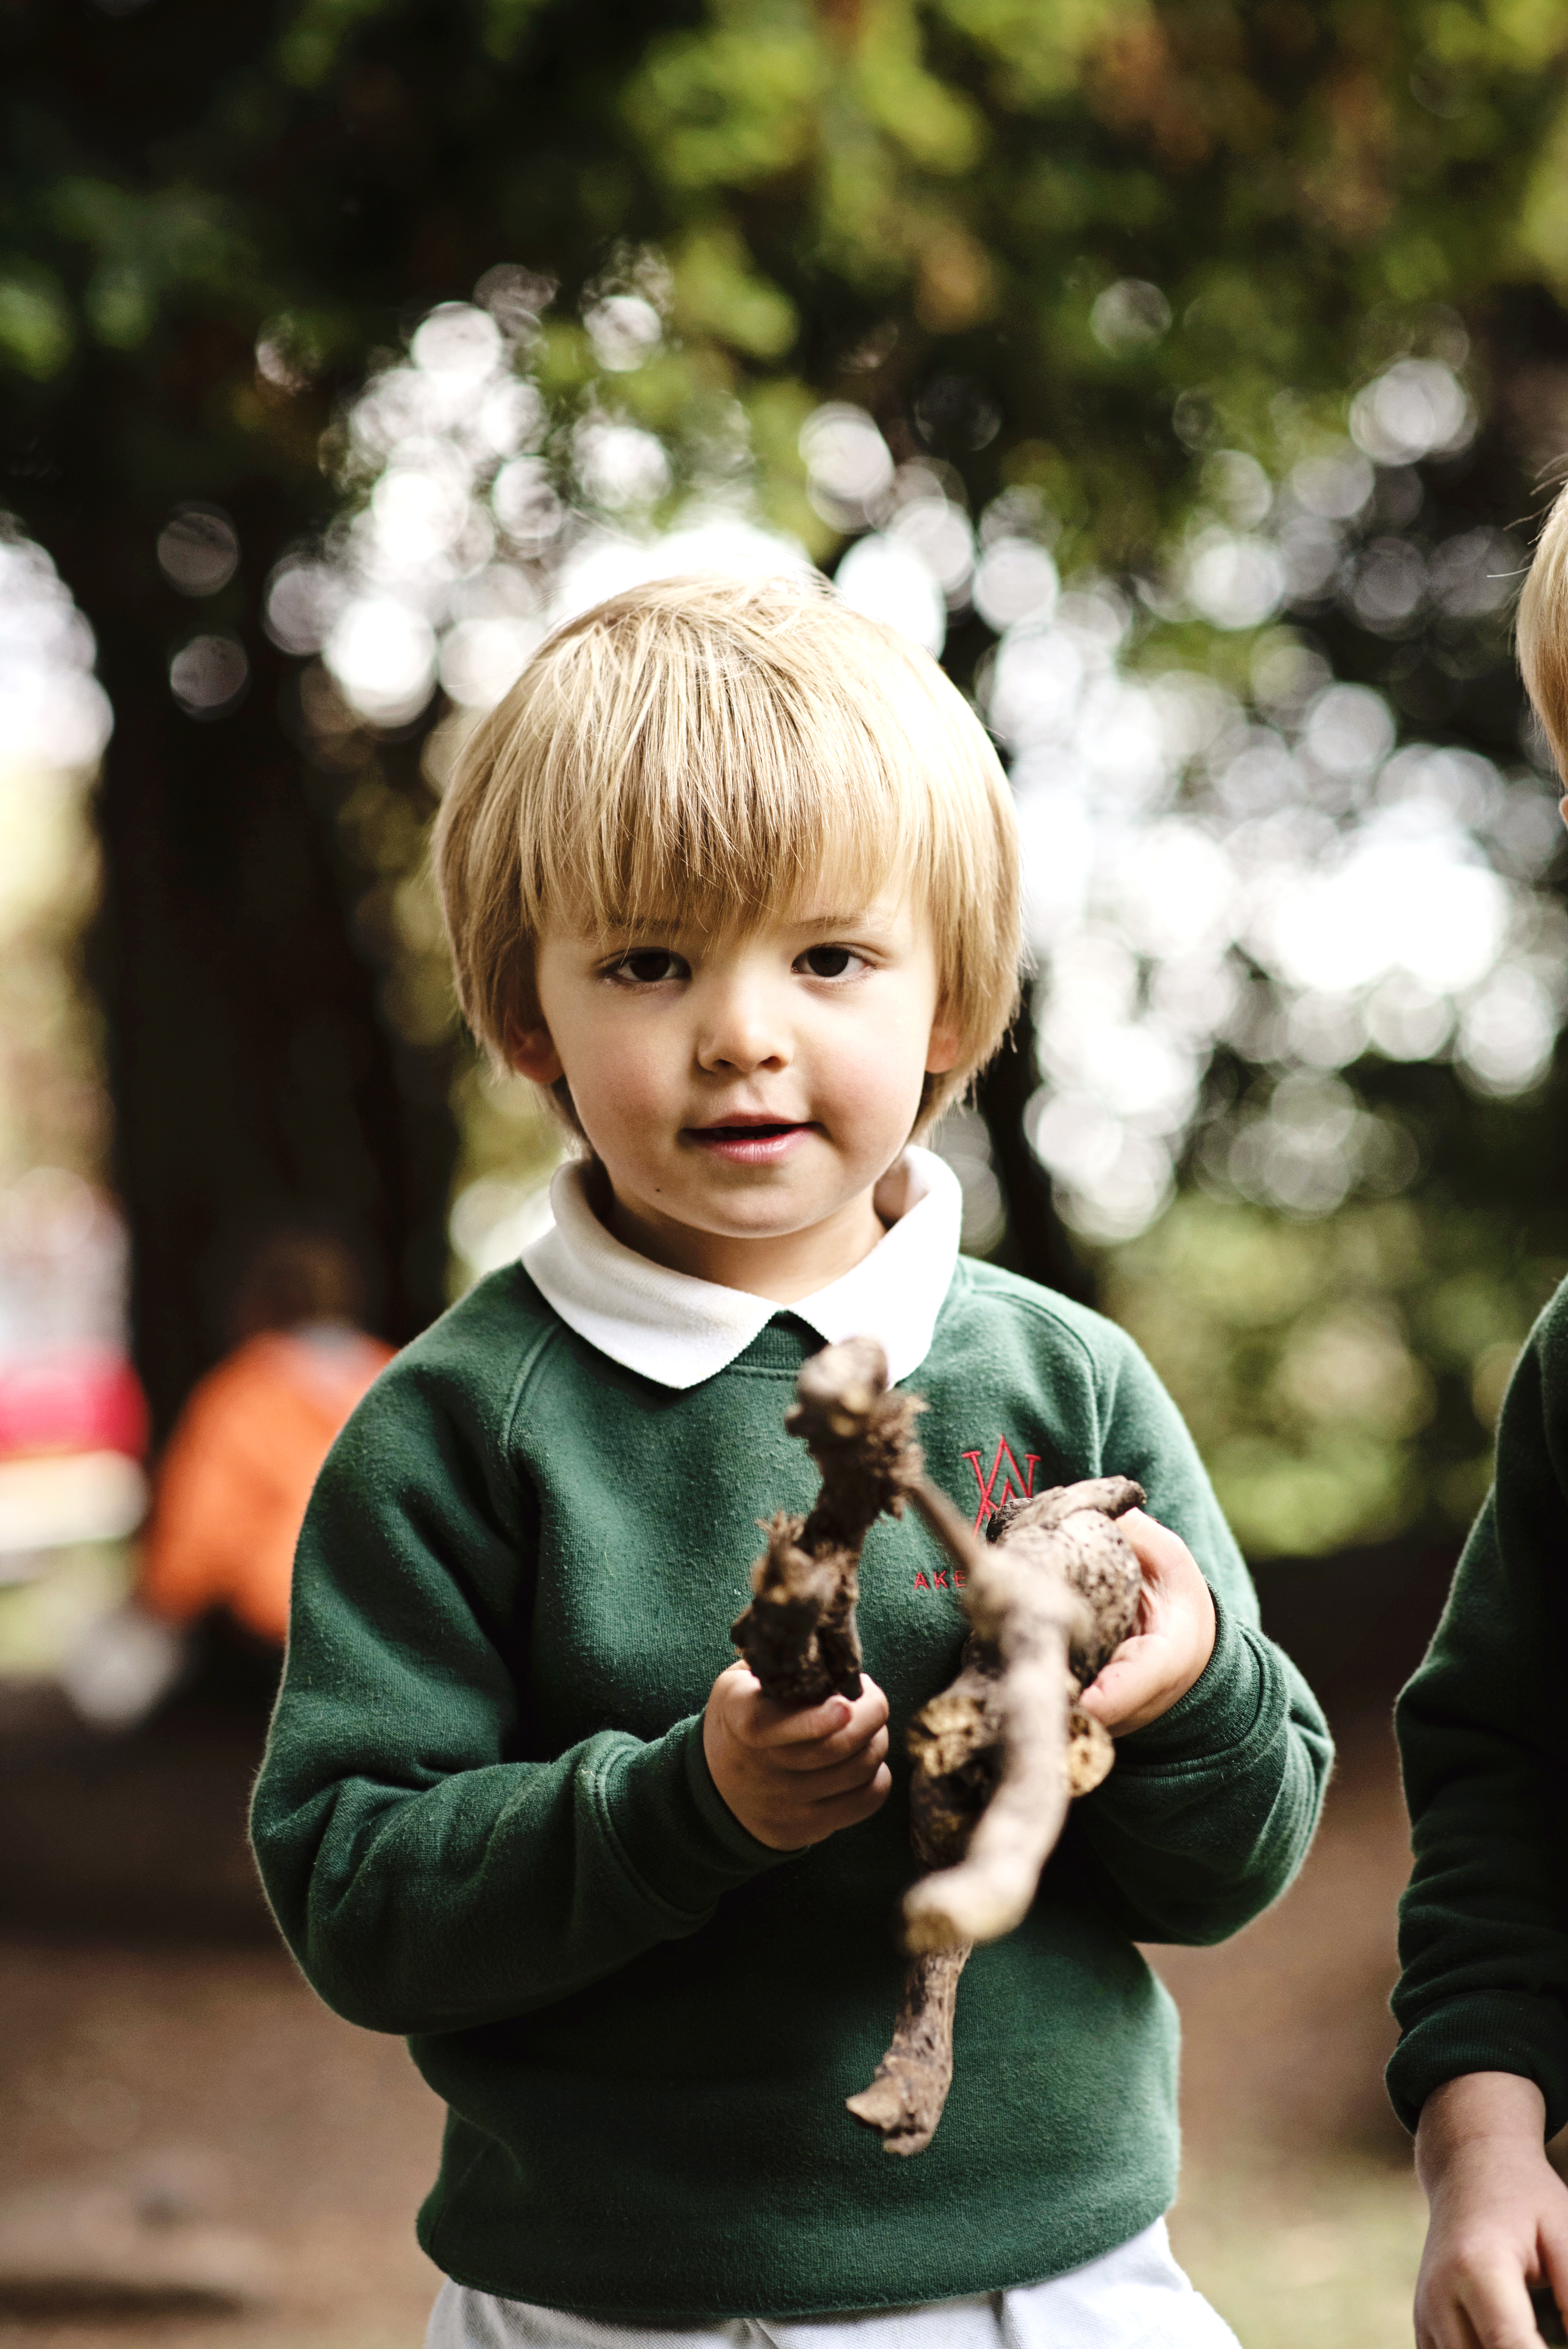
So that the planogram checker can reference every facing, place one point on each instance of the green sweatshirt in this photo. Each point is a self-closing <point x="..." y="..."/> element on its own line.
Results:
<point x="1483" y="1737"/>
<point x="485" y="1820"/>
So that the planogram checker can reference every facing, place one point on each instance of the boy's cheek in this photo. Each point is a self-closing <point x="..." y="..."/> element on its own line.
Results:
<point x="884" y="1073"/>
<point x="620" y="1095"/>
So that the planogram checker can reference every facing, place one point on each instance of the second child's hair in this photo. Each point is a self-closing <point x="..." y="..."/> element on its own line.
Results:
<point x="1542" y="631"/>
<point x="707" y="751"/>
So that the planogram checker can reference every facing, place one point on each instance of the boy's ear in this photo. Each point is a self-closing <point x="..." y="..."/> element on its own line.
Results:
<point x="941" y="1051"/>
<point x="532" y="1053"/>
<point x="1562" y="809"/>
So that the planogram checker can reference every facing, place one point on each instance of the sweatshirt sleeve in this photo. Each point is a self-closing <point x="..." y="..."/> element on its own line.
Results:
<point x="426" y="1877"/>
<point x="1208" y="1814"/>
<point x="1483" y="1739"/>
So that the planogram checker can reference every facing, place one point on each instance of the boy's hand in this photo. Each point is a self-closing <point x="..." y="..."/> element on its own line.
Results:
<point x="1499" y="2214"/>
<point x="1175" y="1634"/>
<point x="792" y="1776"/>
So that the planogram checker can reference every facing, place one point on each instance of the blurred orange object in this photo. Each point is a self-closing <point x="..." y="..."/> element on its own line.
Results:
<point x="233" y="1482"/>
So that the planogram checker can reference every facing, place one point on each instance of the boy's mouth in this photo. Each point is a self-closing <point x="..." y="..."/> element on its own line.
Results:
<point x="752" y="1141"/>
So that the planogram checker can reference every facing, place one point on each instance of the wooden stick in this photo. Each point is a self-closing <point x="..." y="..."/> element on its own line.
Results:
<point x="800" y="1635"/>
<point x="906" y="2097"/>
<point x="998" y="1755"/>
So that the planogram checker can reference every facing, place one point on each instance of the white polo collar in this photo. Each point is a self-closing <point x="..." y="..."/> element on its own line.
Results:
<point x="669" y="1327"/>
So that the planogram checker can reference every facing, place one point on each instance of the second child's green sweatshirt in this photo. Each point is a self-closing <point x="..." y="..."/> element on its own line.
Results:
<point x="485" y="1820"/>
<point x="1483" y="1739"/>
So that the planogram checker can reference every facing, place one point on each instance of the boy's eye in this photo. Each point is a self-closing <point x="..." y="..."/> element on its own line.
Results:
<point x="827" y="962"/>
<point x="648" y="964"/>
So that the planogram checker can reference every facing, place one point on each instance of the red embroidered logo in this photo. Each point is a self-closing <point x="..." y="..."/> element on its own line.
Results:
<point x="1017" y="1484"/>
<point x="940" y="1578"/>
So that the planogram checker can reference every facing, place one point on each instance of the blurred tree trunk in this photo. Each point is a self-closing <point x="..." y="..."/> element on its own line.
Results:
<point x="1035" y="1242"/>
<point x="254" y="1074"/>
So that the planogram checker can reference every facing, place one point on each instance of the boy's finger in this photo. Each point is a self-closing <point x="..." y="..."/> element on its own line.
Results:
<point x="1550" y="2296"/>
<point x="1495" y="2302"/>
<point x="1444" y="2326"/>
<point x="782" y="1725"/>
<point x="846" y="1778"/>
<point x="1135" y="1676"/>
<point x="831" y="1753"/>
<point x="1554" y="2244"/>
<point x="859" y="1731"/>
<point x="1158" y="1550"/>
<point x="835" y="1719"/>
<point x="847" y="1810"/>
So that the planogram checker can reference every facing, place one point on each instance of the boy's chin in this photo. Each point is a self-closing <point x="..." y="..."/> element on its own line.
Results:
<point x="778" y="1221"/>
<point x="762" y="1213"/>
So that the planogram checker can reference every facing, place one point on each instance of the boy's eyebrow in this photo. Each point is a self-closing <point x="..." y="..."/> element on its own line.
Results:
<point x="856" y="919"/>
<point x="621" y="934"/>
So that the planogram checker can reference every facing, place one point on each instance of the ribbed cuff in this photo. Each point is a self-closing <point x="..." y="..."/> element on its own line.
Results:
<point x="1498" y="2031"/>
<point x="1218" y="1713"/>
<point x="675" y="1834"/>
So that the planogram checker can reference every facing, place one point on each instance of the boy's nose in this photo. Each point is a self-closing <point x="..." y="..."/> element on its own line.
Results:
<point x="743" y="1031"/>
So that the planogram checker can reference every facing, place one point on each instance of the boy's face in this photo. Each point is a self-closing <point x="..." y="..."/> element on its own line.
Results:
<point x="745" y="1094"/>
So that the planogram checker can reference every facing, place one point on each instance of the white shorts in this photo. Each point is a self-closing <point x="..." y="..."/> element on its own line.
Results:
<point x="1135" y="2297"/>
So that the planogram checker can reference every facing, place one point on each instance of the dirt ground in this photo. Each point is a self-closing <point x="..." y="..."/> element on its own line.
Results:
<point x="237" y="2169"/>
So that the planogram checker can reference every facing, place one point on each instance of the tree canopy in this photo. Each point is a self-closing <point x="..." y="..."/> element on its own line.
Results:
<point x="1248" y="319"/>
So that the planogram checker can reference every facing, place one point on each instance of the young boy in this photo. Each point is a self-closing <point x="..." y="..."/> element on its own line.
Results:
<point x="733" y="872"/>
<point x="1482" y="2070"/>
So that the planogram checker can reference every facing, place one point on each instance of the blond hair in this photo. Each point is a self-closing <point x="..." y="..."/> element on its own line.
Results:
<point x="1542" y="631"/>
<point x="708" y="752"/>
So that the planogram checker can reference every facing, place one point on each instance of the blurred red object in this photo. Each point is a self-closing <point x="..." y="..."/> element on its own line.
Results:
<point x="80" y="1398"/>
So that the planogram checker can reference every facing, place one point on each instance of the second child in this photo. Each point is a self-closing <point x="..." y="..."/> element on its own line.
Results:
<point x="1480" y="2072"/>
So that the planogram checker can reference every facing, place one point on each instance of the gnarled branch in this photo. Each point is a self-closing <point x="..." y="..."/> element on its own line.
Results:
<point x="799" y="1635"/>
<point x="997" y="1757"/>
<point x="1000" y="1754"/>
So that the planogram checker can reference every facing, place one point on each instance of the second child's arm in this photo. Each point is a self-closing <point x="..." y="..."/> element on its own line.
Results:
<point x="1499" y="2214"/>
<point x="1481" y="2069"/>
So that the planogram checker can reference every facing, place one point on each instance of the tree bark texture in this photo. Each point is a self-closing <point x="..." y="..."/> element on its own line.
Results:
<point x="800" y="1635"/>
<point x="1051" y="1598"/>
<point x="257" y="1077"/>
<point x="998" y="1755"/>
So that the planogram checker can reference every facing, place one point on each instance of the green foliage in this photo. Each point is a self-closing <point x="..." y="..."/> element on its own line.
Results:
<point x="143" y="247"/>
<point x="317" y="33"/>
<point x="36" y="335"/>
<point x="974" y="174"/>
<point x="719" y="295"/>
<point x="507" y="24"/>
<point x="732" y="106"/>
<point x="1342" y="1377"/>
<point x="1038" y="55"/>
<point x="775" y="412"/>
<point x="219" y="220"/>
